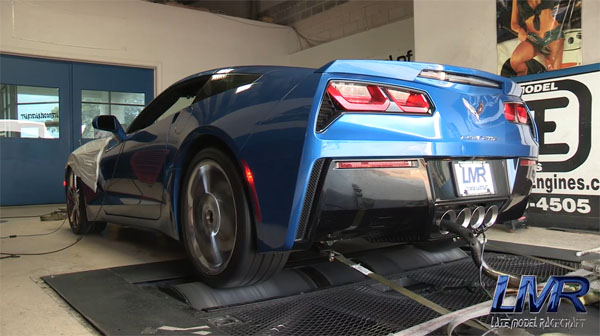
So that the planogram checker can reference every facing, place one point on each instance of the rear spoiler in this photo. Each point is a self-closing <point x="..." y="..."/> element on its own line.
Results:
<point x="412" y="71"/>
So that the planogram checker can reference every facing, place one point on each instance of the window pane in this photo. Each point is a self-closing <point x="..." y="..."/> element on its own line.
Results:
<point x="127" y="98"/>
<point x="88" y="112"/>
<point x="124" y="105"/>
<point x="90" y="96"/>
<point x="29" y="112"/>
<point x="180" y="104"/>
<point x="33" y="94"/>
<point x="44" y="114"/>
<point x="125" y="114"/>
<point x="222" y="82"/>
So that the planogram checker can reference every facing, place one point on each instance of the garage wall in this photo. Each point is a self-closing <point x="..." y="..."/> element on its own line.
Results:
<point x="469" y="39"/>
<point x="590" y="25"/>
<point x="177" y="41"/>
<point x="455" y="32"/>
<point x="394" y="39"/>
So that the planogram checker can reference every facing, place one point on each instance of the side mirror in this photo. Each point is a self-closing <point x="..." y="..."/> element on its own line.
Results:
<point x="109" y="123"/>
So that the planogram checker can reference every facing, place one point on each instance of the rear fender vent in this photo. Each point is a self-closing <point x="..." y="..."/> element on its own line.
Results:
<point x="327" y="113"/>
<point x="311" y="190"/>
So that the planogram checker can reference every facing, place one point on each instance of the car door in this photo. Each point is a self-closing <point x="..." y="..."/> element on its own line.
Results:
<point x="136" y="188"/>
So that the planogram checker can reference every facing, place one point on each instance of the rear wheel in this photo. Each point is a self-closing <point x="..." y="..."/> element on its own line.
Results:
<point x="76" y="212"/>
<point x="217" y="226"/>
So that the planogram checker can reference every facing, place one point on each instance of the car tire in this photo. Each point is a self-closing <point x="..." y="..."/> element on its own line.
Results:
<point x="217" y="225"/>
<point x="76" y="210"/>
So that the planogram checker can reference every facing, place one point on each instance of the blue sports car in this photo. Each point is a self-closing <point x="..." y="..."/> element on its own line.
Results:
<point x="245" y="164"/>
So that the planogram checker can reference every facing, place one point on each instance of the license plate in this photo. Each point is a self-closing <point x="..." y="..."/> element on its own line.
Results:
<point x="473" y="178"/>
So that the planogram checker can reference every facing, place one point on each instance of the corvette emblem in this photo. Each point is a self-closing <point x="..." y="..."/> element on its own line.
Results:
<point x="470" y="108"/>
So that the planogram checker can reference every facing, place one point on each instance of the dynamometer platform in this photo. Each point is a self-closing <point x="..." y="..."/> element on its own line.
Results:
<point x="311" y="296"/>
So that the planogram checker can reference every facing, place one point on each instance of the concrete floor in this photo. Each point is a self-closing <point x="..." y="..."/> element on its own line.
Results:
<point x="537" y="236"/>
<point x="29" y="307"/>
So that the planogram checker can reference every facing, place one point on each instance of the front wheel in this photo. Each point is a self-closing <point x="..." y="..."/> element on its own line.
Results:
<point x="217" y="226"/>
<point x="76" y="211"/>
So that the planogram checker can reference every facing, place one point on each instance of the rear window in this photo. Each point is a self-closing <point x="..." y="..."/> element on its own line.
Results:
<point x="223" y="82"/>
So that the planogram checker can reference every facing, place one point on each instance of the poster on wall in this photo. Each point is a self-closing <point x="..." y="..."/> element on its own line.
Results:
<point x="566" y="109"/>
<point x="535" y="36"/>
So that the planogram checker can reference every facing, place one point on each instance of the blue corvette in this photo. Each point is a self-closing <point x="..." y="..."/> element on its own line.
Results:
<point x="245" y="164"/>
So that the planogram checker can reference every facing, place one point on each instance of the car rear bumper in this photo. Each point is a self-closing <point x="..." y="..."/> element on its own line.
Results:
<point x="401" y="204"/>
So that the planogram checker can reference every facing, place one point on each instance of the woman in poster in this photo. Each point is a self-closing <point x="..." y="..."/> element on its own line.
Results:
<point x="542" y="34"/>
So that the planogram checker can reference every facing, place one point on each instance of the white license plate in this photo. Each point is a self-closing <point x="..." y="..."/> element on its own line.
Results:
<point x="473" y="178"/>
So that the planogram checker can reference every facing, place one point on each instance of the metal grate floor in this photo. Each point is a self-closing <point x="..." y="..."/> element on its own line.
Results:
<point x="369" y="308"/>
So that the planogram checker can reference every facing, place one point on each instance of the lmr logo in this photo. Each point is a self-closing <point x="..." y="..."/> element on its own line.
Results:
<point x="555" y="288"/>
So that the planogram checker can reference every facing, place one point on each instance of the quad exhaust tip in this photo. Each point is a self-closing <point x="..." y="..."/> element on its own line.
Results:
<point x="464" y="217"/>
<point x="490" y="216"/>
<point x="449" y="215"/>
<point x="470" y="219"/>
<point x="478" y="217"/>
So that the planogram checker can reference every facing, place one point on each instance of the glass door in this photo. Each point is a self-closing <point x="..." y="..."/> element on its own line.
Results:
<point x="46" y="109"/>
<point x="106" y="89"/>
<point x="35" y="129"/>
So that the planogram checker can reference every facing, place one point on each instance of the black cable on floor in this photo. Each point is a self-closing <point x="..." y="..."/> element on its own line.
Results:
<point x="17" y="255"/>
<point x="28" y="216"/>
<point x="35" y="234"/>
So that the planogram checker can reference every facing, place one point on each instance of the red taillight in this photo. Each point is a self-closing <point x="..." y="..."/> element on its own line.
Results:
<point x="250" y="180"/>
<point x="516" y="113"/>
<point x="376" y="164"/>
<point x="521" y="114"/>
<point x="368" y="97"/>
<point x="358" y="97"/>
<point x="408" y="101"/>
<point x="527" y="162"/>
<point x="64" y="183"/>
<point x="509" y="112"/>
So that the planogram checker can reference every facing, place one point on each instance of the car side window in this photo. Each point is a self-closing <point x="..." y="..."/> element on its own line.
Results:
<point x="172" y="100"/>
<point x="179" y="105"/>
<point x="182" y="95"/>
<point x="222" y="82"/>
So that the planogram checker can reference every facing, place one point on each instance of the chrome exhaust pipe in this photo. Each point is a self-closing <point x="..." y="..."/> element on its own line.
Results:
<point x="477" y="218"/>
<point x="449" y="215"/>
<point x="490" y="216"/>
<point x="475" y="246"/>
<point x="464" y="217"/>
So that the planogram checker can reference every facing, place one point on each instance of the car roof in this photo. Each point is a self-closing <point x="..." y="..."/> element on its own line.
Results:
<point x="255" y="69"/>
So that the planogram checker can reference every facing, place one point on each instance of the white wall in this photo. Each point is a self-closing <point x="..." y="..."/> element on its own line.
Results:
<point x="463" y="32"/>
<point x="177" y="41"/>
<point x="456" y="32"/>
<point x="590" y="28"/>
<point x="393" y="39"/>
